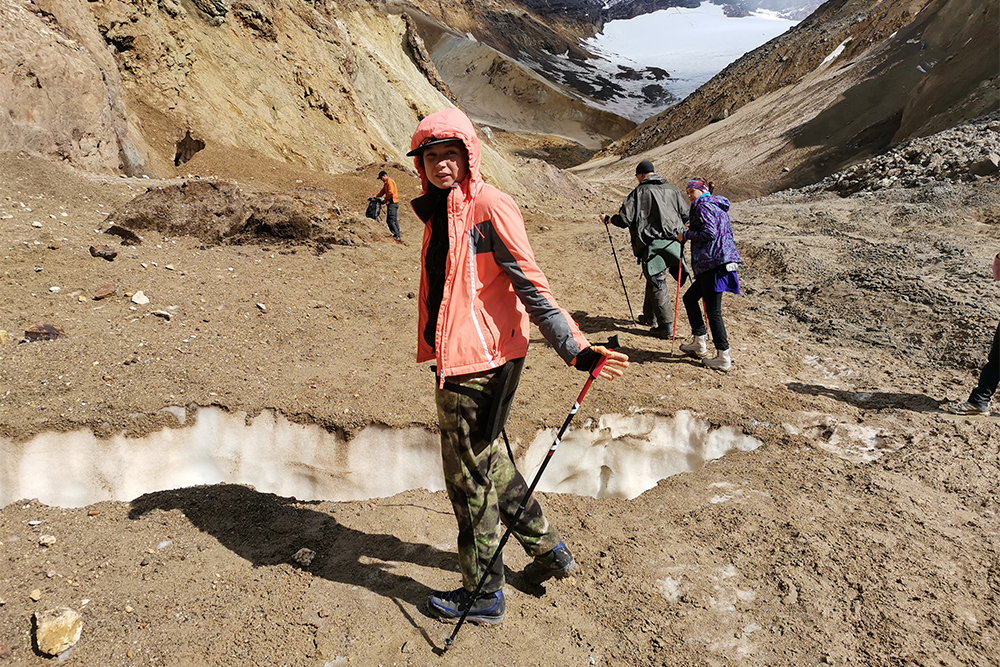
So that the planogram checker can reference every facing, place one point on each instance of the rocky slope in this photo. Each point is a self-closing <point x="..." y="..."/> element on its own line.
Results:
<point x="117" y="85"/>
<point x="832" y="72"/>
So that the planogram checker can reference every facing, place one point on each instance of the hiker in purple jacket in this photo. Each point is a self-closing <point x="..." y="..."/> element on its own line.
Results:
<point x="714" y="259"/>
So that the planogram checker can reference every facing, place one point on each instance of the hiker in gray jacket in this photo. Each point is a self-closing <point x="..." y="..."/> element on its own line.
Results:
<point x="654" y="213"/>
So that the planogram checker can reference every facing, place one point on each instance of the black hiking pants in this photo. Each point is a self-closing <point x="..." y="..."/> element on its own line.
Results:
<point x="391" y="211"/>
<point x="703" y="288"/>
<point x="989" y="377"/>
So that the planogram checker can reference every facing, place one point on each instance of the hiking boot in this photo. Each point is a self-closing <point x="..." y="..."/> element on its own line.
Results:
<point x="966" y="408"/>
<point x="555" y="563"/>
<point x="698" y="348"/>
<point x="645" y="320"/>
<point x="722" y="362"/>
<point x="664" y="331"/>
<point x="449" y="605"/>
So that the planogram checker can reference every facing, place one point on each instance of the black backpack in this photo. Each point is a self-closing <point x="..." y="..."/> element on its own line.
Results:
<point x="374" y="208"/>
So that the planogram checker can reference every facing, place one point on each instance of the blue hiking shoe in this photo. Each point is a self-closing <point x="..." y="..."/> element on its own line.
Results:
<point x="556" y="563"/>
<point x="487" y="608"/>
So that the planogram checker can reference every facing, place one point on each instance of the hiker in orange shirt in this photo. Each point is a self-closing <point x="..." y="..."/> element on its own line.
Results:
<point x="392" y="203"/>
<point x="479" y="288"/>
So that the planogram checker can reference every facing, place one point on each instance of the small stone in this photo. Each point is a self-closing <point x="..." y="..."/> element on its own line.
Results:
<point x="36" y="224"/>
<point x="35" y="595"/>
<point x="169" y="267"/>
<point x="104" y="291"/>
<point x="140" y="298"/>
<point x="107" y="378"/>
<point x="304" y="557"/>
<point x="47" y="540"/>
<point x="93" y="512"/>
<point x="261" y="307"/>
<point x="55" y="289"/>
<point x="164" y="314"/>
<point x="43" y="332"/>
<point x="406" y="648"/>
<point x="57" y="630"/>
<point x="103" y="251"/>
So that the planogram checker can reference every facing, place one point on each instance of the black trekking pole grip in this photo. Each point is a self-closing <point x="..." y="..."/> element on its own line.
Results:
<point x="594" y="374"/>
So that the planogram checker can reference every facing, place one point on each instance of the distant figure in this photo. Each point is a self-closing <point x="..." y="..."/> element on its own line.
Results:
<point x="391" y="203"/>
<point x="714" y="259"/>
<point x="989" y="376"/>
<point x="479" y="286"/>
<point x="654" y="213"/>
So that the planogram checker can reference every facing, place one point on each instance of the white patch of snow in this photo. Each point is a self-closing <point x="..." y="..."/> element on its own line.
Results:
<point x="670" y="588"/>
<point x="835" y="53"/>
<point x="624" y="456"/>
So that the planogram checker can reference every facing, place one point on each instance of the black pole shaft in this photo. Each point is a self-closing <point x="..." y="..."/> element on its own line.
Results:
<point x="524" y="501"/>
<point x="620" y="276"/>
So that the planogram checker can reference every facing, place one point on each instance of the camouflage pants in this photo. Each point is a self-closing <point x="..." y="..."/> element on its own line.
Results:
<point x="484" y="487"/>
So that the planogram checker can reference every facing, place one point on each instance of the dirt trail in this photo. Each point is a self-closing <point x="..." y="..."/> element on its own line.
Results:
<point x="864" y="531"/>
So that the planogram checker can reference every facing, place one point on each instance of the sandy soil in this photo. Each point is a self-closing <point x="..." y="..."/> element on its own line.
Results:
<point x="864" y="531"/>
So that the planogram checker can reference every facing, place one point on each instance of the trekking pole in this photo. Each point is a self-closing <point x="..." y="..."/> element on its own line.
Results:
<point x="594" y="373"/>
<point x="620" y="277"/>
<point x="677" y="301"/>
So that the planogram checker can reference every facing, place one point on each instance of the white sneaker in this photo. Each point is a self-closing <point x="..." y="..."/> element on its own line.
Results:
<point x="697" y="348"/>
<point x="722" y="362"/>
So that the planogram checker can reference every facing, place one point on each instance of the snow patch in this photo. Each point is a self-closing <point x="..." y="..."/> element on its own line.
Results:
<point x="622" y="457"/>
<point x="835" y="53"/>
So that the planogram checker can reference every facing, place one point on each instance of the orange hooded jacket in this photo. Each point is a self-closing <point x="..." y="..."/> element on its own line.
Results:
<point x="492" y="283"/>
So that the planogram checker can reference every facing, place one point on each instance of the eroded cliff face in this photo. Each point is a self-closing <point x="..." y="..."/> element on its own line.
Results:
<point x="60" y="90"/>
<point x="328" y="86"/>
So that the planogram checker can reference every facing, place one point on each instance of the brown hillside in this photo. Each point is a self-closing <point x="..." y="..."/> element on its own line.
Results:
<point x="783" y="61"/>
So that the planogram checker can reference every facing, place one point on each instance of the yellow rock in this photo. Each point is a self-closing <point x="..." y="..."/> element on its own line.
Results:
<point x="57" y="630"/>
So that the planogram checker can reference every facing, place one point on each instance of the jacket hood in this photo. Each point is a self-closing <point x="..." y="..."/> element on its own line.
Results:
<point x="449" y="123"/>
<point x="654" y="178"/>
<point x="721" y="202"/>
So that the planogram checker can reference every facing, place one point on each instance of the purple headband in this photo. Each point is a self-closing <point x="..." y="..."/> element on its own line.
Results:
<point x="698" y="184"/>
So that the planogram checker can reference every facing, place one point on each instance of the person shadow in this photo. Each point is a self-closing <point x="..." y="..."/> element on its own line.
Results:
<point x="599" y="324"/>
<point x="267" y="530"/>
<point x="871" y="400"/>
<point x="591" y="324"/>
